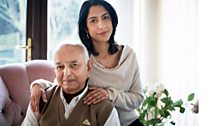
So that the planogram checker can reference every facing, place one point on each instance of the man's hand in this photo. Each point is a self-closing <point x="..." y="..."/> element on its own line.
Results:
<point x="36" y="92"/>
<point x="95" y="95"/>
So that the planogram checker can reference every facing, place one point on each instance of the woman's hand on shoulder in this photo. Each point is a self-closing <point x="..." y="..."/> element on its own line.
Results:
<point x="95" y="95"/>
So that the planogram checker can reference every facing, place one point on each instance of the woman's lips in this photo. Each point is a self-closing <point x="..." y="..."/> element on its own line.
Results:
<point x="102" y="33"/>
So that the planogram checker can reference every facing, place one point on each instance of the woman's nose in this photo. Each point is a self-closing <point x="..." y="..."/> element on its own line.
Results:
<point x="101" y="24"/>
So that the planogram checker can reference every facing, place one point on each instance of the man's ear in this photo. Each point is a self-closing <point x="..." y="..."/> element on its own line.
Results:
<point x="90" y="65"/>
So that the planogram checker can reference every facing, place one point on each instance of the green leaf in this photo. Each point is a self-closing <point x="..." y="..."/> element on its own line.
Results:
<point x="178" y="103"/>
<point x="151" y="101"/>
<point x="173" y="123"/>
<point x="166" y="92"/>
<point x="166" y="114"/>
<point x="190" y="97"/>
<point x="167" y="100"/>
<point x="154" y="94"/>
<point x="154" y="121"/>
<point x="182" y="110"/>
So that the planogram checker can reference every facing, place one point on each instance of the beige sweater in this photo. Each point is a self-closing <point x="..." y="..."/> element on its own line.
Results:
<point x="123" y="84"/>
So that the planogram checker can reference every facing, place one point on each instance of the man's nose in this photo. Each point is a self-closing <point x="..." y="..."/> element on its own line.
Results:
<point x="67" y="71"/>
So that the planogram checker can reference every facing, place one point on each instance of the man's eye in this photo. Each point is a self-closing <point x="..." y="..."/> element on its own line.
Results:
<point x="60" y="67"/>
<point x="74" y="65"/>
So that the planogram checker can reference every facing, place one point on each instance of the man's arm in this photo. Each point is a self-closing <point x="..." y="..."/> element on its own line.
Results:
<point x="113" y="119"/>
<point x="31" y="118"/>
<point x="37" y="88"/>
<point x="41" y="82"/>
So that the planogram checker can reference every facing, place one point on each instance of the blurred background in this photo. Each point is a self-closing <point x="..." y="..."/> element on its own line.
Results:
<point x="178" y="42"/>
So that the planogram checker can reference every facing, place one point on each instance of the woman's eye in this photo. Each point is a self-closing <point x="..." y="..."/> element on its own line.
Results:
<point x="106" y="17"/>
<point x="93" y="21"/>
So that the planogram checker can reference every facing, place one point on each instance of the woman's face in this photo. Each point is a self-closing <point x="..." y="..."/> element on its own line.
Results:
<point x="99" y="24"/>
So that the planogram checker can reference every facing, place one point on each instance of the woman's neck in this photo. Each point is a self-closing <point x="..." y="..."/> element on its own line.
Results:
<point x="101" y="48"/>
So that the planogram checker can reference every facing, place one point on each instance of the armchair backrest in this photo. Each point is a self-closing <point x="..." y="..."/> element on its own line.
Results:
<point x="15" y="82"/>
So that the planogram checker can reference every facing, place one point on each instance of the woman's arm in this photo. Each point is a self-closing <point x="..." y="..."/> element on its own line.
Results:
<point x="127" y="100"/>
<point x="125" y="87"/>
<point x="130" y="95"/>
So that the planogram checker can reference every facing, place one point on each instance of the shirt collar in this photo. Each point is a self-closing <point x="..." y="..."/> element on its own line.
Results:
<point x="76" y="98"/>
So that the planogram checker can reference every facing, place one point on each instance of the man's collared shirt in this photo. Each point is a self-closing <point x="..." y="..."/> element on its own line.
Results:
<point x="32" y="118"/>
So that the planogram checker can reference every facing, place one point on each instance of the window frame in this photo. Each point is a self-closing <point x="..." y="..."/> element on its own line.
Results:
<point x="36" y="28"/>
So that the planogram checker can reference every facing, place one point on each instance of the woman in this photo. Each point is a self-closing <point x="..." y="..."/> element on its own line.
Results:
<point x="115" y="73"/>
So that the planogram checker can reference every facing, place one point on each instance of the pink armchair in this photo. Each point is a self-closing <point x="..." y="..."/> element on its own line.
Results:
<point x="15" y="81"/>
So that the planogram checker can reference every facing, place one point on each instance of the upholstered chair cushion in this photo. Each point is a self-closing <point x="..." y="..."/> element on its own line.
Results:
<point x="15" y="82"/>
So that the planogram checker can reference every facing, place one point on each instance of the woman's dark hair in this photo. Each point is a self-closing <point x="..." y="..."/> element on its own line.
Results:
<point x="86" y="40"/>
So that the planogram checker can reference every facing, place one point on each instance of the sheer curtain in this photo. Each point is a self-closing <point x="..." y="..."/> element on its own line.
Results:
<point x="178" y="52"/>
<point x="163" y="34"/>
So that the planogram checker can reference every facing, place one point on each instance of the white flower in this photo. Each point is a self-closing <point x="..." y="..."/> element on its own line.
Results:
<point x="159" y="90"/>
<point x="155" y="87"/>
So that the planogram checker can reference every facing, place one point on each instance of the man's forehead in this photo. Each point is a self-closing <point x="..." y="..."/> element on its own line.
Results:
<point x="67" y="62"/>
<point x="69" y="50"/>
<point x="68" y="53"/>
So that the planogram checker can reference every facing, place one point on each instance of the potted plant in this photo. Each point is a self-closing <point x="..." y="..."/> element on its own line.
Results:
<point x="157" y="107"/>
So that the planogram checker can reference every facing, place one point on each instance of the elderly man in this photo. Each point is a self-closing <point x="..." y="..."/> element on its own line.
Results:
<point x="64" y="106"/>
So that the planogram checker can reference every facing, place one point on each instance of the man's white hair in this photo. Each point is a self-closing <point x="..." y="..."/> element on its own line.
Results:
<point x="85" y="52"/>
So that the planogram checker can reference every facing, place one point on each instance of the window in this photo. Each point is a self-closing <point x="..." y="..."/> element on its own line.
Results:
<point x="62" y="22"/>
<point x="12" y="30"/>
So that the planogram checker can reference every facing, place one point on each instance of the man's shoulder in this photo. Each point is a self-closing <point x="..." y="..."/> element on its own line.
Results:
<point x="49" y="92"/>
<point x="51" y="89"/>
<point x="102" y="110"/>
<point x="106" y="102"/>
<point x="105" y="105"/>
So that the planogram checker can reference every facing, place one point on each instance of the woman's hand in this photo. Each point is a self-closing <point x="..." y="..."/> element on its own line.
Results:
<point x="95" y="95"/>
<point x="36" y="92"/>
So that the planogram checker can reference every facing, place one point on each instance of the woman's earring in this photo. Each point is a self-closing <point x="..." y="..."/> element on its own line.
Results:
<point x="87" y="35"/>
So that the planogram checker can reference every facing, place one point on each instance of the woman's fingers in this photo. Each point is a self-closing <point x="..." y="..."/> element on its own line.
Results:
<point x="91" y="97"/>
<point x="95" y="95"/>
<point x="99" y="99"/>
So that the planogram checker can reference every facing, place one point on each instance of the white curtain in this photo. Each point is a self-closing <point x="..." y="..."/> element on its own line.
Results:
<point x="178" y="53"/>
<point x="164" y="34"/>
